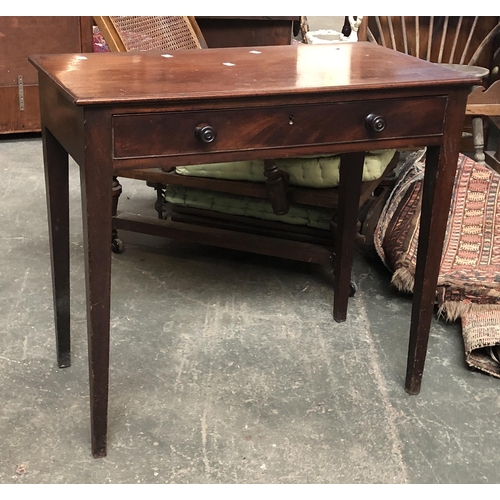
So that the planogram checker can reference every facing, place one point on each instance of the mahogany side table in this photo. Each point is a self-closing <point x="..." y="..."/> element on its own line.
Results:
<point x="117" y="111"/>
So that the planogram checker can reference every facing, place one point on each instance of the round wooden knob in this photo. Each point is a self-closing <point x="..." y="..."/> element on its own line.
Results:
<point x="375" y="123"/>
<point x="205" y="133"/>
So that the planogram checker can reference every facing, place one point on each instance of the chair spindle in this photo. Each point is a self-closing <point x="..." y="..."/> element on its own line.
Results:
<point x="405" y="36"/>
<point x="466" y="49"/>
<point x="443" y="39"/>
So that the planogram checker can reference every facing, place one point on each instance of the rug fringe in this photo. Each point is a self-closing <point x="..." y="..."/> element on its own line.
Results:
<point x="452" y="310"/>
<point x="403" y="279"/>
<point x="468" y="290"/>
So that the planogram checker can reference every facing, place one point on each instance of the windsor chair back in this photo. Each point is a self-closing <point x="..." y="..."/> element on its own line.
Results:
<point x="463" y="40"/>
<point x="467" y="43"/>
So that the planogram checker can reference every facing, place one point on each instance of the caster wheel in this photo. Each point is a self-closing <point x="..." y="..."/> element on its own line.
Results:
<point x="354" y="289"/>
<point x="117" y="245"/>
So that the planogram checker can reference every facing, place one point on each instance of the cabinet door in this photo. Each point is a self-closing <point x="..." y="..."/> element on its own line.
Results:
<point x="20" y="37"/>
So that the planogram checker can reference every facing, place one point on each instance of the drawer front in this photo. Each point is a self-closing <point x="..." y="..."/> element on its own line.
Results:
<point x="174" y="134"/>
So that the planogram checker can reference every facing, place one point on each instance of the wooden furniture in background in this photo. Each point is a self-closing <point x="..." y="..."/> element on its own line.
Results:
<point x="94" y="109"/>
<point x="230" y="31"/>
<point x="139" y="33"/>
<point x="486" y="103"/>
<point x="132" y="33"/>
<point x="20" y="37"/>
<point x="465" y="43"/>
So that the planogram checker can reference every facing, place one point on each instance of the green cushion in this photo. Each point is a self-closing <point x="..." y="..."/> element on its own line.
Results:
<point x="316" y="172"/>
<point x="247" y="206"/>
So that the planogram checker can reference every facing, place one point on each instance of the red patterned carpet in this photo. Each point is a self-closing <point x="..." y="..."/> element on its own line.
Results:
<point x="469" y="279"/>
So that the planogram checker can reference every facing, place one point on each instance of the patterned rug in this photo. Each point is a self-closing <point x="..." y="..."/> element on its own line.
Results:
<point x="469" y="278"/>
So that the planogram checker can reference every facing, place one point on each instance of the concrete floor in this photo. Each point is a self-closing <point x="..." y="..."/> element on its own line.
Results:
<point x="225" y="367"/>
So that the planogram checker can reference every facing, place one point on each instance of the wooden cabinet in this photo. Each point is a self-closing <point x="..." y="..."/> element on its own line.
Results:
<point x="20" y="37"/>
<point x="227" y="31"/>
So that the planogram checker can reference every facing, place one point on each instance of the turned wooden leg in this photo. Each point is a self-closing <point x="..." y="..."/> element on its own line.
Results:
<point x="160" y="199"/>
<point x="115" y="193"/>
<point x="493" y="157"/>
<point x="116" y="243"/>
<point x="351" y="173"/>
<point x="57" y="191"/>
<point x="478" y="139"/>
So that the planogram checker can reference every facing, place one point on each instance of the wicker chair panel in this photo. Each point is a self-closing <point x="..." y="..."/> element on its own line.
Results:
<point x="141" y="33"/>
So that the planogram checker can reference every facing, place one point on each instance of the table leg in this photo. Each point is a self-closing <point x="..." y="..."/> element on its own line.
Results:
<point x="96" y="184"/>
<point x="57" y="191"/>
<point x="436" y="198"/>
<point x="440" y="170"/>
<point x="351" y="173"/>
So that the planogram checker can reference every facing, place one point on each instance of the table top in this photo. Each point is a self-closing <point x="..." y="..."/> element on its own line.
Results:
<point x="112" y="78"/>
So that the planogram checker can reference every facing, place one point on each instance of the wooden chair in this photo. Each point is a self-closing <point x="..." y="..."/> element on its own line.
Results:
<point x="129" y="33"/>
<point x="305" y="243"/>
<point x="466" y="43"/>
<point x="486" y="103"/>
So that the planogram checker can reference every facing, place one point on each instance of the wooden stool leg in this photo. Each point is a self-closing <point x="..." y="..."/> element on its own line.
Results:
<point x="351" y="173"/>
<point x="57" y="190"/>
<point x="116" y="243"/>
<point x="493" y="157"/>
<point x="478" y="139"/>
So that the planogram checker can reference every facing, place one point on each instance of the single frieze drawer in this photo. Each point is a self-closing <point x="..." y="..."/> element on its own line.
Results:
<point x="145" y="135"/>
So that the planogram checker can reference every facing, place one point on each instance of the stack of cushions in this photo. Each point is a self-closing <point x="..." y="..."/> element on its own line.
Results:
<point x="469" y="278"/>
<point x="311" y="172"/>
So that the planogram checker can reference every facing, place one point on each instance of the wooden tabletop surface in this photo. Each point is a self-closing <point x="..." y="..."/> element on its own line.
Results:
<point x="240" y="71"/>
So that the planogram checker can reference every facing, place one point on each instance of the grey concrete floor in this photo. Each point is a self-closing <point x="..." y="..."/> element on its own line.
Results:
<point x="226" y="367"/>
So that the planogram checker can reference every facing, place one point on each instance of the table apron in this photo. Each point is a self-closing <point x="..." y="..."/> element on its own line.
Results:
<point x="271" y="129"/>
